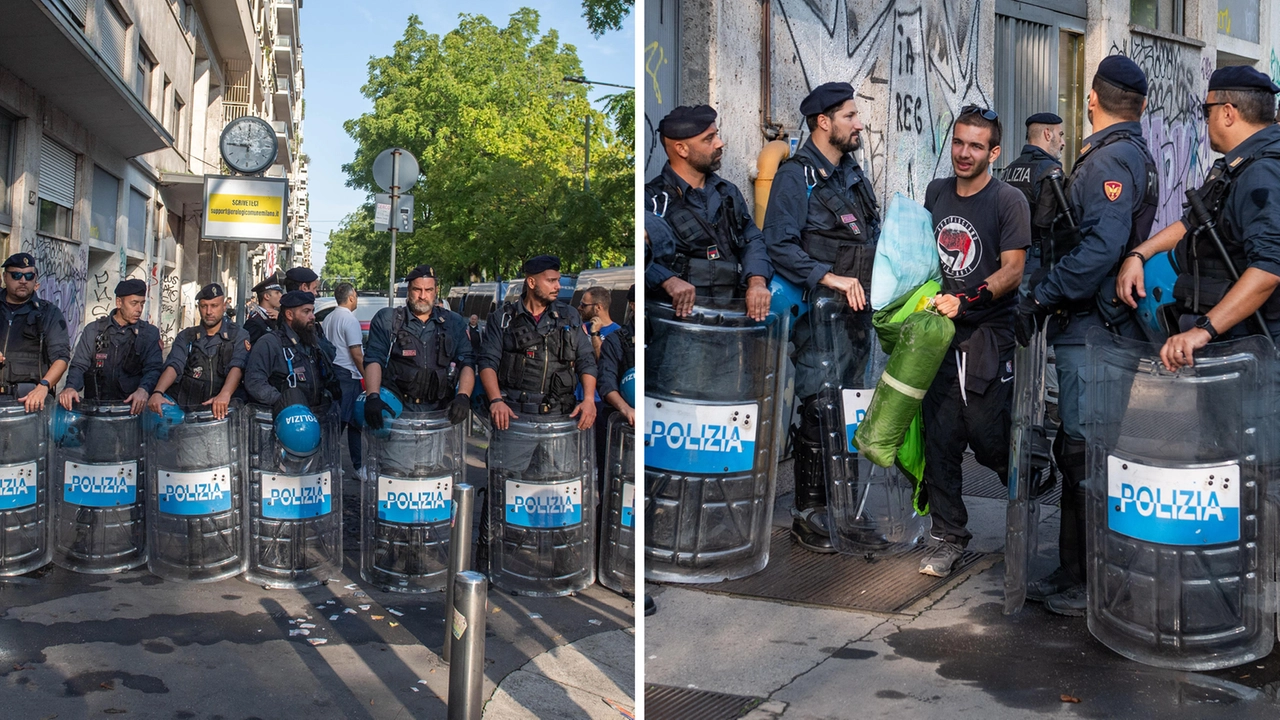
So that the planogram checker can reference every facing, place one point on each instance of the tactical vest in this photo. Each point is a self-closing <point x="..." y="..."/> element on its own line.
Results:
<point x="1203" y="278"/>
<point x="115" y="370"/>
<point x="1028" y="174"/>
<point x="537" y="372"/>
<point x="24" y="346"/>
<point x="850" y="247"/>
<point x="308" y="372"/>
<point x="708" y="254"/>
<point x="627" y="335"/>
<point x="1143" y="215"/>
<point x="422" y="372"/>
<point x="204" y="375"/>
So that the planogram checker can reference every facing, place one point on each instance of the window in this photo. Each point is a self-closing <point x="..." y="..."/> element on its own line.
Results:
<point x="137" y="221"/>
<point x="1072" y="93"/>
<point x="106" y="206"/>
<point x="6" y="165"/>
<point x="142" y="76"/>
<point x="1239" y="19"/>
<point x="111" y="33"/>
<point x="56" y="188"/>
<point x="175" y="120"/>
<point x="1166" y="15"/>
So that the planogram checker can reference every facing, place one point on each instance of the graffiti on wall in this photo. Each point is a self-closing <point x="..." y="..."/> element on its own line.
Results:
<point x="170" y="306"/>
<point x="64" y="271"/>
<point x="913" y="63"/>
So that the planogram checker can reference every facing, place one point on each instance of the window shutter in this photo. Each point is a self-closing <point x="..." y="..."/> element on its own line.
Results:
<point x="78" y="8"/>
<point x="111" y="36"/>
<point x="57" y="173"/>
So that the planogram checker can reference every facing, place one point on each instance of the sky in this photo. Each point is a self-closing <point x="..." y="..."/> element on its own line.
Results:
<point x="338" y="38"/>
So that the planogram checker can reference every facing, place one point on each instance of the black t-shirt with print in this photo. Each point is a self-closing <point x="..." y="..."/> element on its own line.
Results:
<point x="971" y="232"/>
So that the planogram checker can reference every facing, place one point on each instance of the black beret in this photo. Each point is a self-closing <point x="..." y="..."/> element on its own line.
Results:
<point x="824" y="96"/>
<point x="296" y="298"/>
<point x="302" y="275"/>
<point x="631" y="294"/>
<point x="271" y="283"/>
<point x="131" y="287"/>
<point x="212" y="291"/>
<point x="20" y="260"/>
<point x="541" y="263"/>
<point x="686" y="122"/>
<point x="1241" y="77"/>
<point x="1123" y="73"/>
<point x="1044" y="119"/>
<point x="422" y="271"/>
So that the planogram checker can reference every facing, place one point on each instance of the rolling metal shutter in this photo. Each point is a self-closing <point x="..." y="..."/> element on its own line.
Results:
<point x="111" y="36"/>
<point x="1026" y="77"/>
<point x="79" y="9"/>
<point x="57" y="173"/>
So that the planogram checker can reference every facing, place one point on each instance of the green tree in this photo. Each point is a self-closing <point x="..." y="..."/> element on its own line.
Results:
<point x="499" y="138"/>
<point x="605" y="15"/>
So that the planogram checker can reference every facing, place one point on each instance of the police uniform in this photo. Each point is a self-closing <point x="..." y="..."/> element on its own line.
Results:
<point x="113" y="360"/>
<point x="202" y="361"/>
<point x="823" y="218"/>
<point x="422" y="360"/>
<point x="34" y="336"/>
<point x="704" y="236"/>
<point x="258" y="322"/>
<point x="1030" y="173"/>
<point x="1113" y="192"/>
<point x="282" y="370"/>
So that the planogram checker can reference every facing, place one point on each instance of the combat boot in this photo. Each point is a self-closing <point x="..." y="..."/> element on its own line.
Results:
<point x="809" y="524"/>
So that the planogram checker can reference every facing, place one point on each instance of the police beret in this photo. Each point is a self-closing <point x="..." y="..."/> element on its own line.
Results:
<point x="686" y="122"/>
<point x="422" y="271"/>
<point x="631" y="294"/>
<point x="541" y="263"/>
<point x="824" y="96"/>
<point x="1123" y="73"/>
<point x="20" y="260"/>
<point x="271" y="283"/>
<point x="296" y="298"/>
<point x="212" y="291"/>
<point x="1241" y="77"/>
<point x="302" y="275"/>
<point x="131" y="287"/>
<point x="1044" y="119"/>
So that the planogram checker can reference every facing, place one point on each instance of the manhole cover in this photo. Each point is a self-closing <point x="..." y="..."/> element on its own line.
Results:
<point x="663" y="702"/>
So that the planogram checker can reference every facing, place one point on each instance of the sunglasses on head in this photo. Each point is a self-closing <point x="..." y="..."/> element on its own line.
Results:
<point x="986" y="113"/>
<point x="28" y="276"/>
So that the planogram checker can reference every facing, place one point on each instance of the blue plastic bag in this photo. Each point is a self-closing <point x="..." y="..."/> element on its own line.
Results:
<point x="907" y="255"/>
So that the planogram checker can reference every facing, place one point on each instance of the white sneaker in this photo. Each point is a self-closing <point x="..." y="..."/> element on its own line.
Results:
<point x="941" y="559"/>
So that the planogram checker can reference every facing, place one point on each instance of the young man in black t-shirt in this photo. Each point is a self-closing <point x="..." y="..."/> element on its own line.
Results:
<point x="983" y="230"/>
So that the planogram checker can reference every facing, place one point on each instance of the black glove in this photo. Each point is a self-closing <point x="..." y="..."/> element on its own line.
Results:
<point x="1028" y="319"/>
<point x="972" y="298"/>
<point x="373" y="407"/>
<point x="288" y="397"/>
<point x="459" y="408"/>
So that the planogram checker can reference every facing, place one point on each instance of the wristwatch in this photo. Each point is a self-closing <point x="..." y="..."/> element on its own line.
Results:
<point x="45" y="383"/>
<point x="1205" y="324"/>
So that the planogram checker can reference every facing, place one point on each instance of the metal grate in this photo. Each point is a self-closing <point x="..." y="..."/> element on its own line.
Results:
<point x="846" y="582"/>
<point x="664" y="702"/>
<point x="984" y="483"/>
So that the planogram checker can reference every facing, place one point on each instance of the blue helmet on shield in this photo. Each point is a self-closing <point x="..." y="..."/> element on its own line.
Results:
<point x="628" y="386"/>
<point x="68" y="427"/>
<point x="1157" y="310"/>
<point x="170" y="416"/>
<point x="787" y="297"/>
<point x="394" y="408"/>
<point x="298" y="430"/>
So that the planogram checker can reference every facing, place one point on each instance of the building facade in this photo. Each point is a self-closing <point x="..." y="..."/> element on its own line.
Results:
<point x="110" y="114"/>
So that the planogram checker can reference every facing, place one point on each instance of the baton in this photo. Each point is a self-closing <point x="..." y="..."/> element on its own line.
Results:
<point x="1055" y="181"/>
<point x="1205" y="223"/>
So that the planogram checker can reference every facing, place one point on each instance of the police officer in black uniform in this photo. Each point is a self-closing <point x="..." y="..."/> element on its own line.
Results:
<point x="1113" y="192"/>
<point x="700" y="240"/>
<point x="821" y="230"/>
<point x="287" y="367"/>
<point x="303" y="279"/>
<point x="617" y="356"/>
<point x="1240" y="111"/>
<point x="421" y="353"/>
<point x="1032" y="172"/>
<point x="118" y="358"/>
<point x="206" y="362"/>
<point x="36" y="348"/>
<point x="535" y="353"/>
<point x="263" y="316"/>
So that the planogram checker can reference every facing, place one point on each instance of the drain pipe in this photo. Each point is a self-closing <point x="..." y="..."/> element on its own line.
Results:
<point x="771" y="129"/>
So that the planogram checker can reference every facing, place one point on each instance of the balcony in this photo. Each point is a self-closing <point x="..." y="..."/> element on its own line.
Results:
<point x="230" y="27"/>
<point x="284" y="55"/>
<point x="284" y="134"/>
<point x="283" y="99"/>
<point x="287" y="17"/>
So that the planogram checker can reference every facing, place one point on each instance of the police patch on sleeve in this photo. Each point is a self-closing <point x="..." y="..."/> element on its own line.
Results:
<point x="1112" y="189"/>
<point x="246" y="345"/>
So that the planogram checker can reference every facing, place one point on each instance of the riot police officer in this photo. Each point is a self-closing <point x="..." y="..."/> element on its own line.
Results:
<point x="821" y="232"/>
<point x="1031" y="173"/>
<point x="421" y="352"/>
<point x="207" y="361"/>
<point x="534" y="353"/>
<point x="303" y="279"/>
<point x="36" y="347"/>
<point x="617" y="356"/>
<point x="263" y="316"/>
<point x="287" y="366"/>
<point x="118" y="357"/>
<point x="700" y="240"/>
<point x="1113" y="193"/>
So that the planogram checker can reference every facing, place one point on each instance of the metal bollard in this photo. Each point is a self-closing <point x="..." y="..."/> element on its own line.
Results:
<point x="466" y="626"/>
<point x="459" y="553"/>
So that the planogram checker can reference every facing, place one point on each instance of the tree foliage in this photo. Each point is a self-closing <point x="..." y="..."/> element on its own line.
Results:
<point x="499" y="137"/>
<point x="605" y="15"/>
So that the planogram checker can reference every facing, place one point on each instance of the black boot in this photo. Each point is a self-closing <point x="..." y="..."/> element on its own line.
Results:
<point x="1071" y="535"/>
<point x="809" y="525"/>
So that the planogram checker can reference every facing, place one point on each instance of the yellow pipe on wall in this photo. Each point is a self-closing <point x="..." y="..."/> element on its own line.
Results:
<point x="767" y="163"/>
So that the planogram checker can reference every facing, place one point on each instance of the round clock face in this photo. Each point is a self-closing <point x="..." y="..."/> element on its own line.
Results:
<point x="249" y="145"/>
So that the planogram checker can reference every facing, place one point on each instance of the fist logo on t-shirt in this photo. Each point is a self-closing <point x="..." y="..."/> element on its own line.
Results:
<point x="959" y="247"/>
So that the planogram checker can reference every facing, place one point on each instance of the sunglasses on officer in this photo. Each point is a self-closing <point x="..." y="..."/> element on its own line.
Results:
<point x="28" y="276"/>
<point x="986" y="113"/>
<point x="1206" y="107"/>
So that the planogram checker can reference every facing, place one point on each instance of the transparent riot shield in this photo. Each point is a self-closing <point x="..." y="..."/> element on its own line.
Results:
<point x="870" y="507"/>
<point x="295" y="505"/>
<point x="712" y="436"/>
<point x="99" y="506"/>
<point x="24" y="489"/>
<point x="617" y="535"/>
<point x="1180" y="560"/>
<point x="407" y="501"/>
<point x="542" y="506"/>
<point x="195" y="497"/>
<point x="1028" y="459"/>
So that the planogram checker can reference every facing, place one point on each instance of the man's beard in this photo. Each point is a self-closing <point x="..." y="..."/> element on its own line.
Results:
<point x="851" y="144"/>
<point x="306" y="331"/>
<point x="210" y="323"/>
<point x="711" y="164"/>
<point x="421" y="308"/>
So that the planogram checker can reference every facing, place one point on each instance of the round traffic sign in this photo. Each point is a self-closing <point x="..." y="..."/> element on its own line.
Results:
<point x="406" y="171"/>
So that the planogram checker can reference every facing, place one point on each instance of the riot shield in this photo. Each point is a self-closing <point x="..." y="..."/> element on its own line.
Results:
<point x="617" y="536"/>
<point x="1028" y="461"/>
<point x="99" y="504"/>
<point x="713" y="430"/>
<point x="407" y="501"/>
<point x="195" y="497"/>
<point x="1180" y="558"/>
<point x="24" y="489"/>
<point x="542" y="506"/>
<point x="870" y="507"/>
<point x="295" y="505"/>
